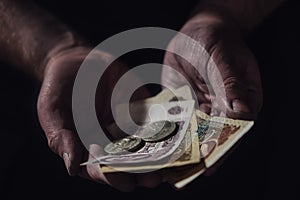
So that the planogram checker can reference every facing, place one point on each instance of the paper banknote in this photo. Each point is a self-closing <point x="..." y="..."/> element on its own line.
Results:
<point x="201" y="141"/>
<point x="217" y="135"/>
<point x="188" y="151"/>
<point x="154" y="153"/>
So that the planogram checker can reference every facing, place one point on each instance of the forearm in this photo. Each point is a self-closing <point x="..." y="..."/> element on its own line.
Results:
<point x="247" y="14"/>
<point x="29" y="36"/>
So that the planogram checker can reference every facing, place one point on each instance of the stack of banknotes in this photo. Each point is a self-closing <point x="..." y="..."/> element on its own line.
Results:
<point x="171" y="136"/>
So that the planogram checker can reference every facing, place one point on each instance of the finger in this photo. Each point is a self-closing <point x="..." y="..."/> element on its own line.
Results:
<point x="66" y="144"/>
<point x="236" y="83"/>
<point x="205" y="107"/>
<point x="62" y="141"/>
<point x="122" y="181"/>
<point x="173" y="78"/>
<point x="183" y="73"/>
<point x="149" y="180"/>
<point x="93" y="171"/>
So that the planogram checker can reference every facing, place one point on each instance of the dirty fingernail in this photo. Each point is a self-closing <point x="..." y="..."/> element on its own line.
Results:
<point x="67" y="161"/>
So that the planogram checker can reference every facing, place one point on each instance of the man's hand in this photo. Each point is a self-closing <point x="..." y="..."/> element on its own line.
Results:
<point x="55" y="115"/>
<point x="237" y="66"/>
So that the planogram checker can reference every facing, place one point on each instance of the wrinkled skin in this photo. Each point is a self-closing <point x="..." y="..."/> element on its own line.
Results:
<point x="229" y="56"/>
<point x="221" y="39"/>
<point x="55" y="115"/>
<point x="229" y="85"/>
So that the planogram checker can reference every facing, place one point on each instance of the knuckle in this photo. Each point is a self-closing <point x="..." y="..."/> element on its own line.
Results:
<point x="234" y="83"/>
<point x="54" y="139"/>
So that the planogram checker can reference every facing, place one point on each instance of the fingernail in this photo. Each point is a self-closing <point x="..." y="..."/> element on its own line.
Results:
<point x="240" y="106"/>
<point x="67" y="161"/>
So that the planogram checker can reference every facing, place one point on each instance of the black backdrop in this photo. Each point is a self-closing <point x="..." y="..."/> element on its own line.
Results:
<point x="256" y="170"/>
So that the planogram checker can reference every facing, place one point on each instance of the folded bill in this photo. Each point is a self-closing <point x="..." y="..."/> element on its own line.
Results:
<point x="217" y="135"/>
<point x="201" y="140"/>
<point x="187" y="153"/>
<point x="154" y="153"/>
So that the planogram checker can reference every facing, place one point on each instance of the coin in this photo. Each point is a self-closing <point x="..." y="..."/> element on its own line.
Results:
<point x="124" y="145"/>
<point x="157" y="131"/>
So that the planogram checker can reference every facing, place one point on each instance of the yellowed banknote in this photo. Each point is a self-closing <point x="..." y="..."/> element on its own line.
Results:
<point x="217" y="135"/>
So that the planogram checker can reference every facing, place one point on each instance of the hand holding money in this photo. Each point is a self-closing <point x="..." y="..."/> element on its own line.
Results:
<point x="179" y="154"/>
<point x="55" y="115"/>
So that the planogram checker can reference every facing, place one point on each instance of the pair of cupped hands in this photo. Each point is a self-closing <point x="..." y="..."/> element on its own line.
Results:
<point x="223" y="41"/>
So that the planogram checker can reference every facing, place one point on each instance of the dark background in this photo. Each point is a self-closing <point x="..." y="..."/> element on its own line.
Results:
<point x="260" y="168"/>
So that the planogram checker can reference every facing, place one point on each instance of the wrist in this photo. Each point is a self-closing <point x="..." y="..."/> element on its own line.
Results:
<point x="218" y="15"/>
<point x="210" y="27"/>
<point x="246" y="14"/>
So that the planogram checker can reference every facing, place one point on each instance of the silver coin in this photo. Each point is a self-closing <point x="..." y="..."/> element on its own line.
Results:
<point x="157" y="131"/>
<point x="124" y="145"/>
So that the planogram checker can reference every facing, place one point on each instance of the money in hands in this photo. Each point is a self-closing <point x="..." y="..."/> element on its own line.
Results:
<point x="172" y="136"/>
